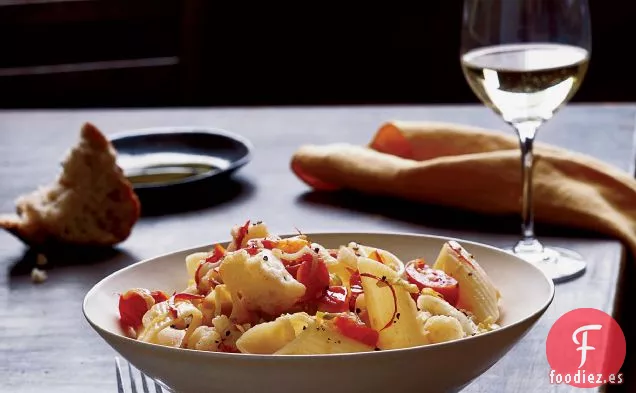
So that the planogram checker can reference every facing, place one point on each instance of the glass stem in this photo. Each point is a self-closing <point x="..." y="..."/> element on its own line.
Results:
<point x="526" y="132"/>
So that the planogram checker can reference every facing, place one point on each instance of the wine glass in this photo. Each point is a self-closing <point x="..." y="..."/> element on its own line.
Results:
<point x="525" y="59"/>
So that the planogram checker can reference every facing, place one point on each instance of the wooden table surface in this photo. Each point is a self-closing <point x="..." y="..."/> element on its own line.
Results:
<point x="45" y="343"/>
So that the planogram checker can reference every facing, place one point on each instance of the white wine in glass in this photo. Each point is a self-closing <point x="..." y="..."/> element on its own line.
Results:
<point x="525" y="59"/>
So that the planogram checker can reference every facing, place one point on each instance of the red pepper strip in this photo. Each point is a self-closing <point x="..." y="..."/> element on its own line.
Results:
<point x="159" y="296"/>
<point x="269" y="244"/>
<point x="242" y="232"/>
<point x="181" y="297"/>
<point x="187" y="296"/>
<point x="197" y="274"/>
<point x="375" y="255"/>
<point x="217" y="254"/>
<point x="357" y="331"/>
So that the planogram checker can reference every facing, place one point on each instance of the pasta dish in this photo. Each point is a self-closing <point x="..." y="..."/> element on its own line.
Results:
<point x="264" y="294"/>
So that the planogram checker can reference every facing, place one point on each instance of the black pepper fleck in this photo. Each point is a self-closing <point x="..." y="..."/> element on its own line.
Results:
<point x="397" y="315"/>
<point x="358" y="311"/>
<point x="265" y="258"/>
<point x="227" y="333"/>
<point x="383" y="278"/>
<point x="259" y="222"/>
<point x="304" y="327"/>
<point x="317" y="250"/>
<point x="376" y="349"/>
<point x="216" y="341"/>
<point x="470" y="274"/>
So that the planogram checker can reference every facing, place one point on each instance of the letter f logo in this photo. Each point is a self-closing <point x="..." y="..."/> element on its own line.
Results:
<point x="583" y="344"/>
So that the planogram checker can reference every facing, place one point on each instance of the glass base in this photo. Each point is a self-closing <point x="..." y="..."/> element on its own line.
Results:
<point x="557" y="263"/>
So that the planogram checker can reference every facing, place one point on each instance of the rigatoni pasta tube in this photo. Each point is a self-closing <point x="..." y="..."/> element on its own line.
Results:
<point x="392" y="311"/>
<point x="477" y="293"/>
<point x="319" y="338"/>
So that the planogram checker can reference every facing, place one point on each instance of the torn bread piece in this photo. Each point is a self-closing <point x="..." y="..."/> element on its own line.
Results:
<point x="91" y="203"/>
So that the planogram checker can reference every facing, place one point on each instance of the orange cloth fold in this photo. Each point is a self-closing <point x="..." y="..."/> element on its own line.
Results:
<point x="479" y="170"/>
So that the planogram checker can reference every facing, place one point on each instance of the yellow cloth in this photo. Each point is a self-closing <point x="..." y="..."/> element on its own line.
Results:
<point x="479" y="170"/>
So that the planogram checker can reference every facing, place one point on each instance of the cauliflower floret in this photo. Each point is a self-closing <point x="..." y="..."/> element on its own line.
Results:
<point x="260" y="282"/>
<point x="160" y="310"/>
<point x="221" y="337"/>
<point x="229" y="331"/>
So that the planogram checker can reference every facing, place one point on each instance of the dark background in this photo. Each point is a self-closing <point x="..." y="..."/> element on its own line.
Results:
<point x="112" y="53"/>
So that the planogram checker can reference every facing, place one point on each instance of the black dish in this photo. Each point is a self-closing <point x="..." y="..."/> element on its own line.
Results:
<point x="169" y="160"/>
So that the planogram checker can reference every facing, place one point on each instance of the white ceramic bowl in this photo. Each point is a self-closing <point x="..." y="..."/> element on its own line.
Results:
<point x="446" y="367"/>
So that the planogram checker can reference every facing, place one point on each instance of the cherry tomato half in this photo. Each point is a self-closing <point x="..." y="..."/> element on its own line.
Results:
<point x="422" y="275"/>
<point x="133" y="304"/>
<point x="313" y="274"/>
<point x="292" y="266"/>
